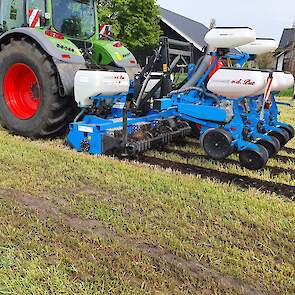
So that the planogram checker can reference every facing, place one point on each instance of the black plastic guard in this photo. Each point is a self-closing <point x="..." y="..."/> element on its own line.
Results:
<point x="66" y="73"/>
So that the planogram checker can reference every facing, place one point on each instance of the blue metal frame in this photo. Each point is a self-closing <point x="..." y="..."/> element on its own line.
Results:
<point x="196" y="106"/>
<point x="252" y="120"/>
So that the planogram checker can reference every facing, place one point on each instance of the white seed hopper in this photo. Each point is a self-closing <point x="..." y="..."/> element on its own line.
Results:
<point x="290" y="80"/>
<point x="236" y="83"/>
<point x="89" y="83"/>
<point x="259" y="46"/>
<point x="281" y="81"/>
<point x="230" y="37"/>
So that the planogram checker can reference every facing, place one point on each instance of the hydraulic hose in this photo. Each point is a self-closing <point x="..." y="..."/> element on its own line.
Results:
<point x="183" y="90"/>
<point x="199" y="89"/>
<point x="200" y="70"/>
<point x="83" y="111"/>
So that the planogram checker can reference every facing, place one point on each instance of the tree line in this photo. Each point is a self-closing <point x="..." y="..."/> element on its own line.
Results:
<point x="136" y="23"/>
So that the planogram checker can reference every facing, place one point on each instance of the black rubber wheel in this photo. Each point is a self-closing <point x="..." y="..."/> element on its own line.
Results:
<point x="290" y="131"/>
<point x="217" y="144"/>
<point x="282" y="135"/>
<point x="254" y="160"/>
<point x="52" y="113"/>
<point x="273" y="146"/>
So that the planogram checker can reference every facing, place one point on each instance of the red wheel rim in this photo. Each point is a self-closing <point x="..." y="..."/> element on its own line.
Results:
<point x="22" y="91"/>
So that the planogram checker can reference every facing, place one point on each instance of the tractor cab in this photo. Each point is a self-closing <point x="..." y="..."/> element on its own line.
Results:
<point x="74" y="18"/>
<point x="12" y="15"/>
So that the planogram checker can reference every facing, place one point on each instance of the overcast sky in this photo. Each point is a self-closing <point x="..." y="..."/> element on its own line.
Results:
<point x="267" y="17"/>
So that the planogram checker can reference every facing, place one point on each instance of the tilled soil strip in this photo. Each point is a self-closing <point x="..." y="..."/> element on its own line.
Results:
<point x="189" y="155"/>
<point x="289" y="150"/>
<point x="244" y="182"/>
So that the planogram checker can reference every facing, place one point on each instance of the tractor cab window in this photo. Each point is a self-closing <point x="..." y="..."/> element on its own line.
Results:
<point x="74" y="18"/>
<point x="32" y="7"/>
<point x="36" y="4"/>
<point x="11" y="14"/>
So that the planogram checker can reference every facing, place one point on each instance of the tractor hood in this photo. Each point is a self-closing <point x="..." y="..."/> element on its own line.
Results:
<point x="113" y="52"/>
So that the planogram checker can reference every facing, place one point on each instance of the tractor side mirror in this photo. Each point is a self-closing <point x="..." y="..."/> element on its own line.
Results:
<point x="105" y="31"/>
<point x="43" y="20"/>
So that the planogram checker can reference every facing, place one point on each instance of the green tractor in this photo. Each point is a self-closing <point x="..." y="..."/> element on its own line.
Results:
<point x="43" y="44"/>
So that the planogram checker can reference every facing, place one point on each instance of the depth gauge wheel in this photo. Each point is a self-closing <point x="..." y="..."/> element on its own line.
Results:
<point x="217" y="143"/>
<point x="30" y="104"/>
<point x="273" y="145"/>
<point x="254" y="159"/>
<point x="290" y="130"/>
<point x="282" y="135"/>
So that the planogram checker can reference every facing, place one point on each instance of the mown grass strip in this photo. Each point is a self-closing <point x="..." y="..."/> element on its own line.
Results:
<point x="47" y="254"/>
<point x="242" y="233"/>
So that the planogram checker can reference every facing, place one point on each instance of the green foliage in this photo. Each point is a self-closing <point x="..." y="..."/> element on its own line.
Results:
<point x="265" y="61"/>
<point x="136" y="23"/>
<point x="287" y="93"/>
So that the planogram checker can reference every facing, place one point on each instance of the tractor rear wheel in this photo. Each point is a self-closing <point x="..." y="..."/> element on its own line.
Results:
<point x="30" y="104"/>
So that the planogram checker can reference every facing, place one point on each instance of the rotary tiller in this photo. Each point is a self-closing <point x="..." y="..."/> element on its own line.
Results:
<point x="106" y="124"/>
<point x="117" y="116"/>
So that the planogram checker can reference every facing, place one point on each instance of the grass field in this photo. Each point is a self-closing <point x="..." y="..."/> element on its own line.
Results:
<point x="75" y="224"/>
<point x="287" y="93"/>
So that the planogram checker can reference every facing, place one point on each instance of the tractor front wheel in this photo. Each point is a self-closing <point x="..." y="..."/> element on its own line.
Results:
<point x="30" y="104"/>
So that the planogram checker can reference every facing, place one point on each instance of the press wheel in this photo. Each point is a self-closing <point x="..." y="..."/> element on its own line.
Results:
<point x="290" y="130"/>
<point x="282" y="135"/>
<point x="217" y="144"/>
<point x="254" y="159"/>
<point x="272" y="145"/>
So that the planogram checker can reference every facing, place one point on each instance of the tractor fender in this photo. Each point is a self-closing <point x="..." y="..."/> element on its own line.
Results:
<point x="66" y="67"/>
<point x="42" y="40"/>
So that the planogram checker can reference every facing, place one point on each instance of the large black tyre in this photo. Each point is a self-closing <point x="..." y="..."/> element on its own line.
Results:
<point x="53" y="112"/>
